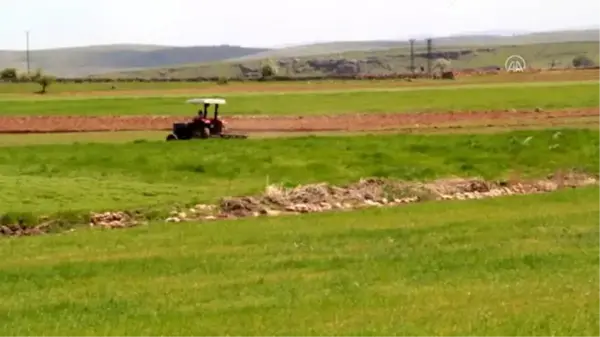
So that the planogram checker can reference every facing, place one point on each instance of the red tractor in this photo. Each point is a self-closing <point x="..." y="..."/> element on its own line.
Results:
<point x="201" y="126"/>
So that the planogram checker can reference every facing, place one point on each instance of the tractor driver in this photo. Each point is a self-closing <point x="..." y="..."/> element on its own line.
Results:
<point x="201" y="113"/>
<point x="198" y="118"/>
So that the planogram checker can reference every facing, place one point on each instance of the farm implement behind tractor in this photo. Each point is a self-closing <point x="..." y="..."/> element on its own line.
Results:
<point x="201" y="126"/>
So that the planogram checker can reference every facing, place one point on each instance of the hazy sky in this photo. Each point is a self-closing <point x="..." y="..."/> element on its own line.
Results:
<point x="63" y="23"/>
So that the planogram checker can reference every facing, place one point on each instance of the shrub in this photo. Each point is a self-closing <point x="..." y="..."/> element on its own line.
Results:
<point x="582" y="61"/>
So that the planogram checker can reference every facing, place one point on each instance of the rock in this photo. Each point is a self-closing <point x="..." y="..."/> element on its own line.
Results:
<point x="33" y="231"/>
<point x="111" y="220"/>
<point x="407" y="200"/>
<point x="302" y="208"/>
<point x="325" y="206"/>
<point x="372" y="203"/>
<point x="115" y="224"/>
<point x="272" y="212"/>
<point x="5" y="230"/>
<point x="203" y="207"/>
<point x="173" y="219"/>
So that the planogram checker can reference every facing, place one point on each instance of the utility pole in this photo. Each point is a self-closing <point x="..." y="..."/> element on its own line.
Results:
<point x="429" y="57"/>
<point x="412" y="56"/>
<point x="27" y="52"/>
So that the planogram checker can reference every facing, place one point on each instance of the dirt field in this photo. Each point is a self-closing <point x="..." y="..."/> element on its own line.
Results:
<point x="349" y="122"/>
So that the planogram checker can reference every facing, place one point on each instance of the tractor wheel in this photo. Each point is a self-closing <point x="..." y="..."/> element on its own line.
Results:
<point x="171" y="137"/>
<point x="204" y="133"/>
<point x="217" y="129"/>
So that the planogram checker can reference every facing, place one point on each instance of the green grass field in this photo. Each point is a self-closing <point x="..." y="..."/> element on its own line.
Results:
<point x="548" y="96"/>
<point x="171" y="88"/>
<point x="7" y="89"/>
<point x="64" y="178"/>
<point x="55" y="88"/>
<point x="521" y="265"/>
<point x="80" y="137"/>
<point x="525" y="265"/>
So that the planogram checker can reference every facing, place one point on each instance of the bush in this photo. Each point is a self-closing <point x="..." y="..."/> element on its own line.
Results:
<point x="582" y="61"/>
<point x="9" y="74"/>
<point x="43" y="80"/>
<point x="442" y="65"/>
<point x="268" y="70"/>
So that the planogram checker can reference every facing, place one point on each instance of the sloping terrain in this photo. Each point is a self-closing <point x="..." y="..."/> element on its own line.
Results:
<point x="378" y="62"/>
<point x="345" y="57"/>
<point x="449" y="41"/>
<point x="82" y="61"/>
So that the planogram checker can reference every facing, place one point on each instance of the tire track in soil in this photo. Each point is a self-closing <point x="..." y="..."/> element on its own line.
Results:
<point x="250" y="124"/>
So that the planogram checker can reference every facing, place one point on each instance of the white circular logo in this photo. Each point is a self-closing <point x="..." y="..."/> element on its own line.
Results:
<point x="515" y="63"/>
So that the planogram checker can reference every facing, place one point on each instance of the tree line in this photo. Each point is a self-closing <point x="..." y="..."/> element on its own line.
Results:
<point x="12" y="75"/>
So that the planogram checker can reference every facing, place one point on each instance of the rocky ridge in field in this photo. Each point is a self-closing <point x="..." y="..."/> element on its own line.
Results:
<point x="321" y="197"/>
<point x="371" y="192"/>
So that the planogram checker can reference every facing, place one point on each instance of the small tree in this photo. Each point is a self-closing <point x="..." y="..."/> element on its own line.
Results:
<point x="582" y="61"/>
<point x="43" y="80"/>
<point x="222" y="80"/>
<point x="268" y="69"/>
<point x="23" y="77"/>
<point x="36" y="76"/>
<point x="442" y="64"/>
<point x="8" y="74"/>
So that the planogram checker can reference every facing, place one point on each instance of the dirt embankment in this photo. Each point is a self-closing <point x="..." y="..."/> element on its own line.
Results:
<point x="373" y="192"/>
<point x="341" y="122"/>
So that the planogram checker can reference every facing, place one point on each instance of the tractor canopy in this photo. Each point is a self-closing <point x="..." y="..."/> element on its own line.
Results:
<point x="215" y="101"/>
<point x="206" y="102"/>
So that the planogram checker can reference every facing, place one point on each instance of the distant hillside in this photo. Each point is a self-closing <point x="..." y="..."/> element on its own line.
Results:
<point x="540" y="50"/>
<point x="465" y="51"/>
<point x="397" y="60"/>
<point x="585" y="35"/>
<point x="82" y="61"/>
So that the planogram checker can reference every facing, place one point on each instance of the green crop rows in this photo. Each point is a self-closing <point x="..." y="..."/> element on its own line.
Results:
<point x="500" y="97"/>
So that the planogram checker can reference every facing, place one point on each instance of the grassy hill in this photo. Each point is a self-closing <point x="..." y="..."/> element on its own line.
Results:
<point x="81" y="61"/>
<point x="540" y="49"/>
<point x="488" y="39"/>
<point x="354" y="57"/>
<point x="384" y="61"/>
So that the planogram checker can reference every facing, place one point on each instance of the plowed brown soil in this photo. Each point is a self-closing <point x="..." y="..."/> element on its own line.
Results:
<point x="342" y="122"/>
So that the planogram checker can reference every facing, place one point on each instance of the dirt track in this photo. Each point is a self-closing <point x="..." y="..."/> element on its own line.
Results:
<point x="345" y="122"/>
